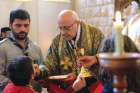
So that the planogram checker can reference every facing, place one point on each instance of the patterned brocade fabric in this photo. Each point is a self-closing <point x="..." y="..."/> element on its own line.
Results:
<point x="61" y="58"/>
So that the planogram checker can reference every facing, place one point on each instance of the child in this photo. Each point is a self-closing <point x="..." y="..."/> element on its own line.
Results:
<point x="20" y="72"/>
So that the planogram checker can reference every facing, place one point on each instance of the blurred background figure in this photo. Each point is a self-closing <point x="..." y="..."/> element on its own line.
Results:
<point x="133" y="25"/>
<point x="131" y="10"/>
<point x="5" y="32"/>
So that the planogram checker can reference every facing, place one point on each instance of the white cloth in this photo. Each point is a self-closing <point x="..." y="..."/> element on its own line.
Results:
<point x="132" y="30"/>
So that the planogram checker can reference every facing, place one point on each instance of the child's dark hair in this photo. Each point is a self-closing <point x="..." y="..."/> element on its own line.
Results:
<point x="5" y="29"/>
<point x="20" y="70"/>
<point x="19" y="14"/>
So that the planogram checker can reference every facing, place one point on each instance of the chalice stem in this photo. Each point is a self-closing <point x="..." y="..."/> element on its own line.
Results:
<point x="119" y="84"/>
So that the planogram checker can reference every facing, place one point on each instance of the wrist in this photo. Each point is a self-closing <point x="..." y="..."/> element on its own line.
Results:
<point x="97" y="60"/>
<point x="95" y="63"/>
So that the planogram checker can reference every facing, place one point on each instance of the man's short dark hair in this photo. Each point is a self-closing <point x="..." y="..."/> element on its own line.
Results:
<point x="20" y="70"/>
<point x="5" y="29"/>
<point x="19" y="14"/>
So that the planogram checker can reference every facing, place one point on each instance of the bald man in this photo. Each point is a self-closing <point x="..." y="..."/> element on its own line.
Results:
<point x="74" y="34"/>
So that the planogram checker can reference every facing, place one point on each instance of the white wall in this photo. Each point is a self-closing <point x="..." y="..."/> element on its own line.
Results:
<point x="5" y="7"/>
<point x="43" y="18"/>
<point x="43" y="24"/>
<point x="47" y="22"/>
<point x="32" y="8"/>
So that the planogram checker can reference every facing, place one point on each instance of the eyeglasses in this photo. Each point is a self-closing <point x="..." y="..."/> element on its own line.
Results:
<point x="66" y="28"/>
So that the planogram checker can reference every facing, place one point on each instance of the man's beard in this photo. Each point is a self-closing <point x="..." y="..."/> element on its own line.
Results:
<point x="20" y="35"/>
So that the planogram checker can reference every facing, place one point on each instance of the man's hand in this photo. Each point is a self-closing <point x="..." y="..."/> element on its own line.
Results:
<point x="36" y="70"/>
<point x="79" y="83"/>
<point x="87" y="61"/>
<point x="70" y="76"/>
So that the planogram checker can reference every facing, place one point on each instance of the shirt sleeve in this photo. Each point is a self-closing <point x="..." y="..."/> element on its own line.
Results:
<point x="3" y="77"/>
<point x="52" y="61"/>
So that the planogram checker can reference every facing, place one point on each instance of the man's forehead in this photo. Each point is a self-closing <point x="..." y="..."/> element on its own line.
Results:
<point x="21" y="21"/>
<point x="65" y="21"/>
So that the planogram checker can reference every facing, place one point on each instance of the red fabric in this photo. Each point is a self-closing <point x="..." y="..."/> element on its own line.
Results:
<point x="11" y="88"/>
<point x="69" y="90"/>
<point x="43" y="83"/>
<point x="95" y="88"/>
<point x="53" y="88"/>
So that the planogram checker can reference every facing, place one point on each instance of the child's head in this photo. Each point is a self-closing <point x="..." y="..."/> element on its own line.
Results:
<point x="20" y="70"/>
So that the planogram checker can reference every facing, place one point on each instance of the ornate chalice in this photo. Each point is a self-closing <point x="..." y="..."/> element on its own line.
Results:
<point x="119" y="66"/>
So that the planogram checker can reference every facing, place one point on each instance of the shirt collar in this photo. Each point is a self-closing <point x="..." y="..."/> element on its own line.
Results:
<point x="74" y="42"/>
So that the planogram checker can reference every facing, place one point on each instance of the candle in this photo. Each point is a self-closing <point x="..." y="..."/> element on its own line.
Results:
<point x="118" y="25"/>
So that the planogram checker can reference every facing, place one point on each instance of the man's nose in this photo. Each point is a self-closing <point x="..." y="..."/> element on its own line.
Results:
<point x="63" y="32"/>
<point x="23" y="28"/>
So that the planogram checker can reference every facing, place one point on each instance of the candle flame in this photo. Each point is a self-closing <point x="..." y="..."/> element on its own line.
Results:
<point x="118" y="16"/>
